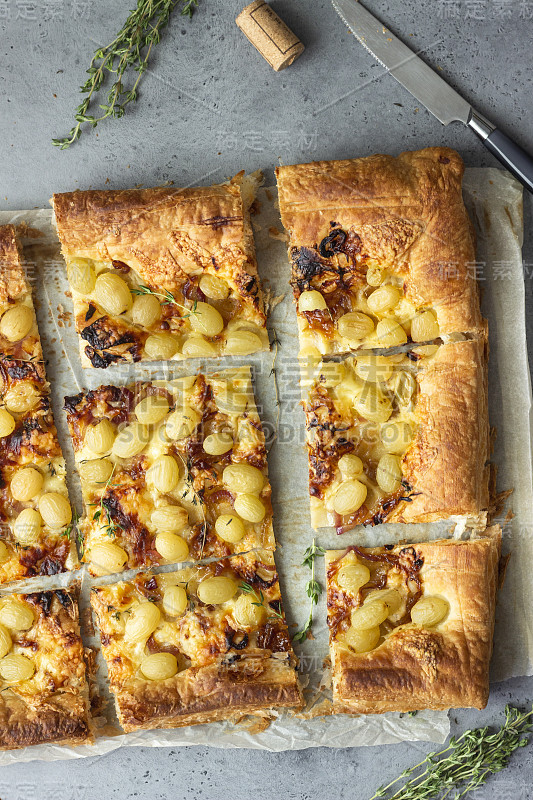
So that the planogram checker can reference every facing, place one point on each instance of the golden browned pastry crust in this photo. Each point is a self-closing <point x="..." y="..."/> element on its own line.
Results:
<point x="231" y="688"/>
<point x="448" y="461"/>
<point x="15" y="291"/>
<point x="415" y="667"/>
<point x="404" y="216"/>
<point x="166" y="239"/>
<point x="52" y="706"/>
<point x="120" y="509"/>
<point x="227" y="667"/>
<point x="441" y="424"/>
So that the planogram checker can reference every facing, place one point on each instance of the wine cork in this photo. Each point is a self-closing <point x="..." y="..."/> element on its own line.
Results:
<point x="269" y="35"/>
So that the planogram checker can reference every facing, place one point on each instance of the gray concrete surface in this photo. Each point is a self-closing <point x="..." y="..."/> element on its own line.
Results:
<point x="209" y="107"/>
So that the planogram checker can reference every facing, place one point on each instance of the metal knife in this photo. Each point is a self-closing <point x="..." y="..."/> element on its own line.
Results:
<point x="430" y="89"/>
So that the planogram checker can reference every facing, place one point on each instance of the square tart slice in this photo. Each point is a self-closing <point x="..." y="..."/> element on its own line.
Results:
<point x="382" y="250"/>
<point x="411" y="626"/>
<point x="44" y="696"/>
<point x="171" y="471"/>
<point x="19" y="337"/>
<point x="162" y="274"/>
<point x="396" y="440"/>
<point x="197" y="645"/>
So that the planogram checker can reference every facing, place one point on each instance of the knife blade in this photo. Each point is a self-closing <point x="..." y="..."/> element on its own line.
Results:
<point x="430" y="89"/>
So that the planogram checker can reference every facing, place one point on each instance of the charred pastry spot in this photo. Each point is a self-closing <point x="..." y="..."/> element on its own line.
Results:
<point x="333" y="243"/>
<point x="306" y="264"/>
<point x="101" y="361"/>
<point x="90" y="312"/>
<point x="231" y="644"/>
<point x="250" y="287"/>
<point x="444" y="160"/>
<point x="275" y="605"/>
<point x="23" y="370"/>
<point x="413" y="356"/>
<point x="51" y="566"/>
<point x="64" y="598"/>
<point x="43" y="599"/>
<point x="101" y="335"/>
<point x="116" y="512"/>
<point x="72" y="401"/>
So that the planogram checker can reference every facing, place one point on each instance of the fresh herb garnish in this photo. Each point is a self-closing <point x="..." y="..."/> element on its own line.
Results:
<point x="73" y="524"/>
<point x="168" y="299"/>
<point x="102" y="514"/>
<point x="196" y="497"/>
<point x="246" y="588"/>
<point x="312" y="588"/>
<point x="128" y="52"/>
<point x="465" y="764"/>
<point x="72" y="528"/>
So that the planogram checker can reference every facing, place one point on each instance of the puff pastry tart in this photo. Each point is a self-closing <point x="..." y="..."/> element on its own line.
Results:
<point x="35" y="513"/>
<point x="44" y="697"/>
<point x="162" y="274"/>
<point x="198" y="645"/>
<point x="411" y="625"/>
<point x="392" y="439"/>
<point x="171" y="471"/>
<point x="382" y="250"/>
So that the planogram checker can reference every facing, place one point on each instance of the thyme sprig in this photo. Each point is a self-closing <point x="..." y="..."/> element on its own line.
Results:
<point x="102" y="514"/>
<point x="128" y="52"/>
<point x="247" y="588"/>
<point x="168" y="299"/>
<point x="465" y="764"/>
<point x="313" y="588"/>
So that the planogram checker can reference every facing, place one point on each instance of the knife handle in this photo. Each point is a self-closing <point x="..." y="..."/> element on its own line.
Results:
<point x="511" y="155"/>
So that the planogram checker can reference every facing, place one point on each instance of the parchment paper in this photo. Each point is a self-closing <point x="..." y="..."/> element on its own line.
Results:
<point x="495" y="203"/>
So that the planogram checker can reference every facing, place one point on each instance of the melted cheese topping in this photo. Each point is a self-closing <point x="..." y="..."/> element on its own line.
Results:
<point x="33" y="443"/>
<point x="342" y="602"/>
<point x="188" y="327"/>
<point x="223" y="403"/>
<point x="200" y="635"/>
<point x="347" y="413"/>
<point x="365" y="273"/>
<point x="29" y="347"/>
<point x="52" y="645"/>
